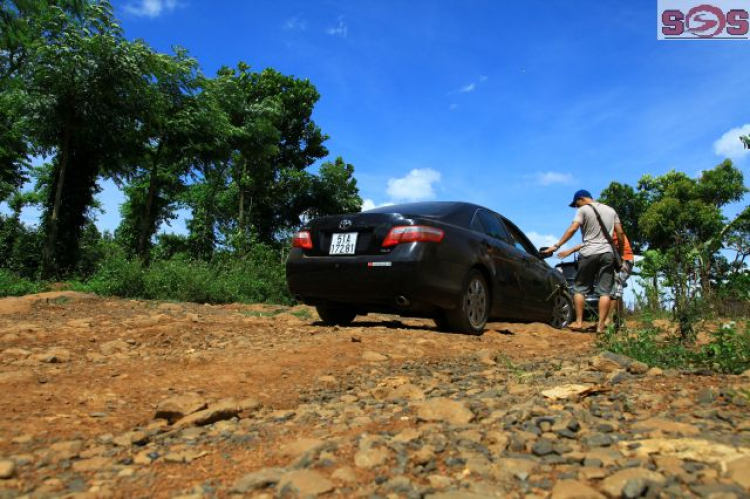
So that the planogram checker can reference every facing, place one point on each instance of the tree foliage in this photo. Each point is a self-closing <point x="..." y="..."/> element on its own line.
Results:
<point x="681" y="221"/>
<point x="236" y="149"/>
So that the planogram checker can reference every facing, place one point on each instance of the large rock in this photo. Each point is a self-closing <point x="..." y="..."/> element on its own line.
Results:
<point x="567" y="391"/>
<point x="446" y="410"/>
<point x="113" y="347"/>
<point x="53" y="356"/>
<point x="513" y="468"/>
<point x="93" y="464"/>
<point x="175" y="408"/>
<point x="370" y="356"/>
<point x="688" y="449"/>
<point x="304" y="483"/>
<point x="667" y="426"/>
<point x="614" y="485"/>
<point x="214" y="413"/>
<point x="258" y="480"/>
<point x="302" y="446"/>
<point x="573" y="489"/>
<point x="608" y="362"/>
<point x="7" y="469"/>
<point x="371" y="457"/>
<point x="739" y="471"/>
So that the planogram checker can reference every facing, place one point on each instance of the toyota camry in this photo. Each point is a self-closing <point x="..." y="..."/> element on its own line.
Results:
<point x="457" y="263"/>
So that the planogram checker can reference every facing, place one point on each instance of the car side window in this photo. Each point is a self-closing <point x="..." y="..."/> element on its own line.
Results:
<point x="493" y="227"/>
<point x="476" y="224"/>
<point x="520" y="241"/>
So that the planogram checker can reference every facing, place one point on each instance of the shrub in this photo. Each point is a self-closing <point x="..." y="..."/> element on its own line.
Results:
<point x="13" y="285"/>
<point x="727" y="351"/>
<point x="118" y="276"/>
<point x="258" y="277"/>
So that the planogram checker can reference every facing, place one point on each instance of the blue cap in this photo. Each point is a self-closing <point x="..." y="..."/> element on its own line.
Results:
<point x="583" y="193"/>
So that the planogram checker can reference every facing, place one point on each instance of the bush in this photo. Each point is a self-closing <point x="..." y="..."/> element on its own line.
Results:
<point x="258" y="277"/>
<point x="13" y="285"/>
<point x="728" y="349"/>
<point x="118" y="276"/>
<point x="649" y="345"/>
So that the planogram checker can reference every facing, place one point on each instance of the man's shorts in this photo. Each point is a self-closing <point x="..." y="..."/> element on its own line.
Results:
<point x="620" y="279"/>
<point x="597" y="273"/>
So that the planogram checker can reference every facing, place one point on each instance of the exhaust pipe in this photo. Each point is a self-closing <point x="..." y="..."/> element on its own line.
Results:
<point x="402" y="301"/>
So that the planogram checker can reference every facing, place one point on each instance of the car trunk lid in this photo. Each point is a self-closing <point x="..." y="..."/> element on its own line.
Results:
<point x="353" y="234"/>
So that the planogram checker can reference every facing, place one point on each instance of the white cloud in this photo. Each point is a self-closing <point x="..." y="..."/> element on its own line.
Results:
<point x="453" y="106"/>
<point x="295" y="24"/>
<point x="469" y="87"/>
<point x="341" y="30"/>
<point x="730" y="145"/>
<point x="416" y="186"/>
<point x="549" y="178"/>
<point x="151" y="8"/>
<point x="369" y="204"/>
<point x="541" y="240"/>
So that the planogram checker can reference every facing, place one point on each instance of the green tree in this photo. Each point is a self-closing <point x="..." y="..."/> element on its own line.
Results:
<point x="630" y="205"/>
<point x="86" y="85"/>
<point x="334" y="190"/>
<point x="182" y="127"/>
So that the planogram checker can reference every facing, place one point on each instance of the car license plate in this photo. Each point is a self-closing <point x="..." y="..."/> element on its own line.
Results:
<point x="343" y="243"/>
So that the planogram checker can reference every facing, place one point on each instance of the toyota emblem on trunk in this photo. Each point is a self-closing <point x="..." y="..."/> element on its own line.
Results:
<point x="345" y="224"/>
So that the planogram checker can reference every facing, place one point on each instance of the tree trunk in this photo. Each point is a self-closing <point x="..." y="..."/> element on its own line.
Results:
<point x="145" y="233"/>
<point x="241" y="215"/>
<point x="49" y="266"/>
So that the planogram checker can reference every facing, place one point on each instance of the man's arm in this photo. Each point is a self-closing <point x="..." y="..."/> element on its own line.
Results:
<point x="564" y="239"/>
<point x="566" y="253"/>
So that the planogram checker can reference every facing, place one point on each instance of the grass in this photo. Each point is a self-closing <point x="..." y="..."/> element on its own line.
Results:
<point x="303" y="314"/>
<point x="727" y="349"/>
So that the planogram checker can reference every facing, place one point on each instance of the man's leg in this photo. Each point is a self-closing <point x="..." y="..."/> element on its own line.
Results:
<point x="605" y="287"/>
<point x="581" y="287"/>
<point x="612" y="310"/>
<point x="604" y="302"/>
<point x="580" y="301"/>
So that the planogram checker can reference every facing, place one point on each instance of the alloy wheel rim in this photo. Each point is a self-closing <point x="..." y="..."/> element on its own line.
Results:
<point x="560" y="312"/>
<point x="476" y="303"/>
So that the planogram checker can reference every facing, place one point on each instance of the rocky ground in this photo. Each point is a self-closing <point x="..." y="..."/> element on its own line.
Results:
<point x="116" y="398"/>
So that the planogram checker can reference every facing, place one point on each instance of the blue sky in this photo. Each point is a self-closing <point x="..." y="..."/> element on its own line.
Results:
<point x="512" y="105"/>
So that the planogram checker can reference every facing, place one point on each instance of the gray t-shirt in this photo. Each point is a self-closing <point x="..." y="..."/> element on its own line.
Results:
<point x="594" y="241"/>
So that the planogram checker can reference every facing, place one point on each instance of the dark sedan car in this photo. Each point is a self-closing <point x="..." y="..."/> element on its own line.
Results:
<point x="458" y="263"/>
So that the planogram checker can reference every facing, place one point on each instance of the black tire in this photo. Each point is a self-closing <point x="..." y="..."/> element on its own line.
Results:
<point x="562" y="310"/>
<point x="471" y="315"/>
<point x="335" y="316"/>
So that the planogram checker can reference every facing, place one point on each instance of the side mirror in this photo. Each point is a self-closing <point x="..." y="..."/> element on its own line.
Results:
<point x="544" y="255"/>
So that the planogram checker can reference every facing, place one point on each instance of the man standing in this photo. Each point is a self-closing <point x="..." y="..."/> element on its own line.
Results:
<point x="628" y="262"/>
<point x="596" y="267"/>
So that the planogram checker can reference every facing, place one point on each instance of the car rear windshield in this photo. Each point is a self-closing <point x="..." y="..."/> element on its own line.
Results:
<point x="435" y="210"/>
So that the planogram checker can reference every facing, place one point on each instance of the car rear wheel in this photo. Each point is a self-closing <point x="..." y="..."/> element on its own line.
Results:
<point x="335" y="316"/>
<point x="471" y="315"/>
<point x="562" y="310"/>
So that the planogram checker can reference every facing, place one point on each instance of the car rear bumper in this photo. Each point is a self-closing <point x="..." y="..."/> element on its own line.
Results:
<point x="375" y="282"/>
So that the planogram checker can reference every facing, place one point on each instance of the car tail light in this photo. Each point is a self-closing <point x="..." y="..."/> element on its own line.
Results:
<point x="413" y="234"/>
<point x="302" y="239"/>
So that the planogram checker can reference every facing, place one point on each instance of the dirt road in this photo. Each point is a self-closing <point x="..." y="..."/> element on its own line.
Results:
<point x="117" y="398"/>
